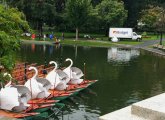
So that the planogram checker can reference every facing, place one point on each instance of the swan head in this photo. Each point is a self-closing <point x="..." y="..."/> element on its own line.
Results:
<point x="7" y="74"/>
<point x="32" y="68"/>
<point x="36" y="71"/>
<point x="68" y="59"/>
<point x="53" y="62"/>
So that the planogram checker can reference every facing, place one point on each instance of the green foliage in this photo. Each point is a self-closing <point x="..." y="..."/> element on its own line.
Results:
<point x="111" y="13"/>
<point x="150" y="17"/>
<point x="134" y="8"/>
<point x="38" y="12"/>
<point x="78" y="12"/>
<point x="12" y="20"/>
<point x="12" y="25"/>
<point x="144" y="34"/>
<point x="160" y="22"/>
<point x="51" y="12"/>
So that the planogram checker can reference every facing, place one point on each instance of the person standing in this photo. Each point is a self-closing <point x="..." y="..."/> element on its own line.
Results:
<point x="33" y="36"/>
<point x="51" y="36"/>
<point x="62" y="36"/>
<point x="44" y="37"/>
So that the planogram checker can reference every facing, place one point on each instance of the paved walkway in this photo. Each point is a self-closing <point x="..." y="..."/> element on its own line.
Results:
<point x="147" y="43"/>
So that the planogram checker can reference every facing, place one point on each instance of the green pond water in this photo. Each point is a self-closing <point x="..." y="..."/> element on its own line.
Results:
<point x="125" y="76"/>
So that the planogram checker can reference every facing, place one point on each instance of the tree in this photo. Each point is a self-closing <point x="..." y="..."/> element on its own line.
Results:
<point x="37" y="12"/>
<point x="160" y="24"/>
<point x="60" y="5"/>
<point x="149" y="17"/>
<point x="95" y="2"/>
<point x="153" y="19"/>
<point x="111" y="13"/>
<point x="12" y="24"/>
<point x="134" y="8"/>
<point x="78" y="12"/>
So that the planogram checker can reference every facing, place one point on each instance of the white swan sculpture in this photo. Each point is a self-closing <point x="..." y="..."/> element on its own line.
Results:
<point x="14" y="97"/>
<point x="37" y="87"/>
<point x="63" y="78"/>
<point x="24" y="97"/>
<point x="57" y="78"/>
<point x="74" y="73"/>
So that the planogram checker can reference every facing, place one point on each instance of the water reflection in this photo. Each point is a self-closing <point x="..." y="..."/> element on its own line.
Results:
<point x="119" y="85"/>
<point x="33" y="47"/>
<point x="121" y="54"/>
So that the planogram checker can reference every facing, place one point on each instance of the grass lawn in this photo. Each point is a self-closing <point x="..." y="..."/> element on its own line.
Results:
<point x="98" y="40"/>
<point x="129" y="42"/>
<point x="152" y="37"/>
<point x="163" y="42"/>
<point x="81" y="35"/>
<point x="91" y="43"/>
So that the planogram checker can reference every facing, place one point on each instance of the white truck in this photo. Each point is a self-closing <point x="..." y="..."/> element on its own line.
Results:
<point x="124" y="33"/>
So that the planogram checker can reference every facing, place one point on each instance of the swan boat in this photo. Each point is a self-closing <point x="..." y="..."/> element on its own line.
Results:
<point x="74" y="73"/>
<point x="56" y="95"/>
<point x="12" y="105"/>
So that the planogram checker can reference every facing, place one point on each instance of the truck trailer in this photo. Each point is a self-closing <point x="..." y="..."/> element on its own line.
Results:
<point x="124" y="33"/>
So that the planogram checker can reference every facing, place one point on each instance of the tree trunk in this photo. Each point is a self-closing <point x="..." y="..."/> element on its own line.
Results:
<point x="40" y="30"/>
<point x="77" y="34"/>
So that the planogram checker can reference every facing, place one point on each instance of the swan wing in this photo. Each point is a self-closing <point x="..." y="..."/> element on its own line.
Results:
<point x="76" y="81"/>
<point x="25" y="94"/>
<point x="8" y="100"/>
<point x="41" y="95"/>
<point x="53" y="78"/>
<point x="19" y="108"/>
<point x="45" y="83"/>
<point x="68" y="71"/>
<point x="61" y="86"/>
<point x="63" y="76"/>
<point x="44" y="92"/>
<point x="33" y="87"/>
<point x="76" y="72"/>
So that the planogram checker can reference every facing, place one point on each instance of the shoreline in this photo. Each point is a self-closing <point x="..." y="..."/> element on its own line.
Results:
<point x="104" y="44"/>
<point x="88" y="43"/>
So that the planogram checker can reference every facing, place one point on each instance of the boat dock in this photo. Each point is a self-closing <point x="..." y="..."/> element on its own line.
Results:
<point x="150" y="109"/>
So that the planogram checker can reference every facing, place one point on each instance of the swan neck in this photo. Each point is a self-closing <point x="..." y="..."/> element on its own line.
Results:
<point x="70" y="63"/>
<point x="55" y="66"/>
<point x="36" y="73"/>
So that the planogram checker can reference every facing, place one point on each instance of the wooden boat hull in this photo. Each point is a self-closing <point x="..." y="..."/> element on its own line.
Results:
<point x="10" y="114"/>
<point x="42" y="101"/>
<point x="61" y="95"/>
<point x="75" y="90"/>
<point x="39" y="107"/>
<point x="42" y="105"/>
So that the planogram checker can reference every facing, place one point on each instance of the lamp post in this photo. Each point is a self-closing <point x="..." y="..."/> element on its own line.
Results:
<point x="161" y="22"/>
<point x="161" y="36"/>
